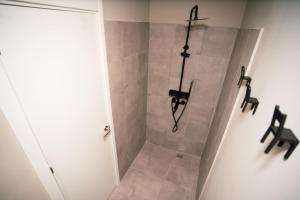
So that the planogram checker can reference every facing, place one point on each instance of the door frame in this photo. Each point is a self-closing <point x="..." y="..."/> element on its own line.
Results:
<point x="103" y="58"/>
<point x="17" y="118"/>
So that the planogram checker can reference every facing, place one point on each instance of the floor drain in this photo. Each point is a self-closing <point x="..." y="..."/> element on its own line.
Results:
<point x="179" y="155"/>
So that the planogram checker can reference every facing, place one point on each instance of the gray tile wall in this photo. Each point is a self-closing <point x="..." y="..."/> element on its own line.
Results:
<point x="144" y="63"/>
<point x="127" y="53"/>
<point x="210" y="49"/>
<point x="243" y="49"/>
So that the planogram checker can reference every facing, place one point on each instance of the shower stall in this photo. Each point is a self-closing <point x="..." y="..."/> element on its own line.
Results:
<point x="149" y="99"/>
<point x="160" y="146"/>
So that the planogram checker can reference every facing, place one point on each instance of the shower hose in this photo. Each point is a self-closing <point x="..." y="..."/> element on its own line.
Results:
<point x="175" y="127"/>
<point x="176" y="121"/>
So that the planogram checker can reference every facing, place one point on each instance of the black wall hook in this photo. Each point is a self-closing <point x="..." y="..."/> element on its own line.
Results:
<point x="248" y="99"/>
<point x="280" y="133"/>
<point x="243" y="77"/>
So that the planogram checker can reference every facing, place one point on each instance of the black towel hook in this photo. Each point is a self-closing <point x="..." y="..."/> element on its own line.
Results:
<point x="243" y="77"/>
<point x="281" y="134"/>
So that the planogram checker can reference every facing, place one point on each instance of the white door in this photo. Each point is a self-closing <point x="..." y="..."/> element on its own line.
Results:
<point x="52" y="60"/>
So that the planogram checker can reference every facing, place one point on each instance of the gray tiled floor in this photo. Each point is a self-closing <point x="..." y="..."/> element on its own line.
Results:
<point x="158" y="174"/>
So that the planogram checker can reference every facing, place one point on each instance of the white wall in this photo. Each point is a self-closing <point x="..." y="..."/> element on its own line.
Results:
<point x="226" y="13"/>
<point x="17" y="177"/>
<point x="242" y="170"/>
<point x="79" y="4"/>
<point x="126" y="10"/>
<point x="170" y="11"/>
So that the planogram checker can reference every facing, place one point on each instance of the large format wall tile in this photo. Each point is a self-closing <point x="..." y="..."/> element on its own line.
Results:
<point x="243" y="49"/>
<point x="127" y="53"/>
<point x="218" y="42"/>
<point x="210" y="49"/>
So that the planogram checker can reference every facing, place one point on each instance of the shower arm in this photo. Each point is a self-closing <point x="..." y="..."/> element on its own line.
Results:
<point x="195" y="8"/>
